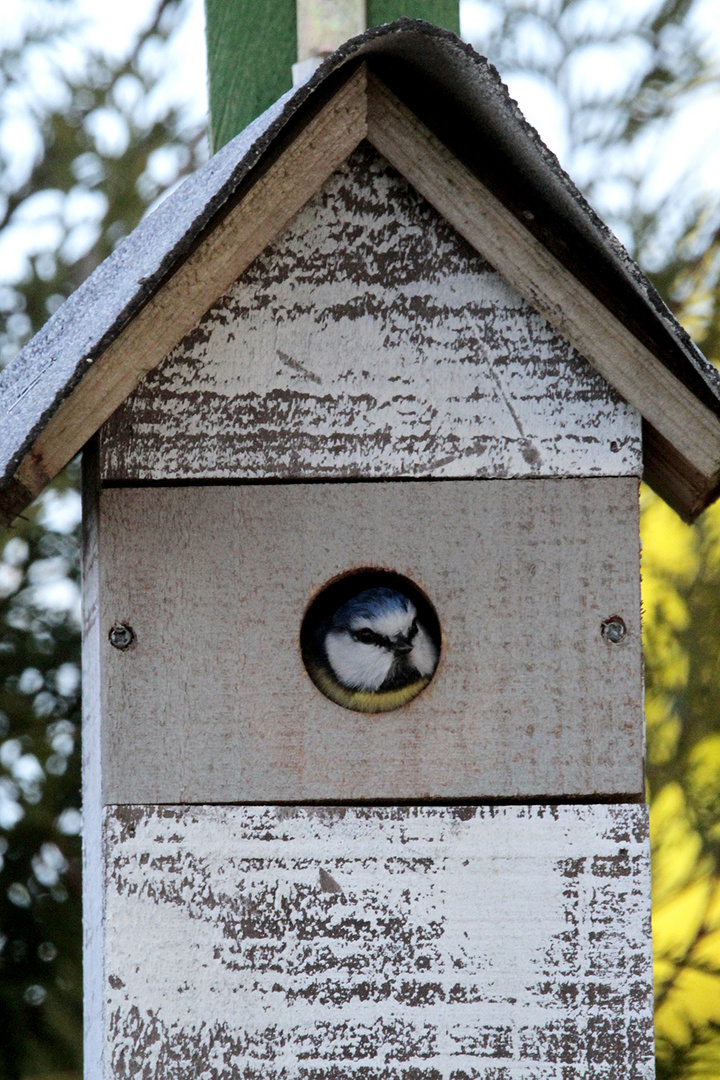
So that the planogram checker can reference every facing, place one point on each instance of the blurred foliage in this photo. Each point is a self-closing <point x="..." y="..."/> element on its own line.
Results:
<point x="40" y="881"/>
<point x="681" y="597"/>
<point x="106" y="148"/>
<point x="616" y="78"/>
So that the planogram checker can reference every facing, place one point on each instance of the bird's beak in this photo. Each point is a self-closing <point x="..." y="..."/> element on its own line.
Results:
<point x="401" y="646"/>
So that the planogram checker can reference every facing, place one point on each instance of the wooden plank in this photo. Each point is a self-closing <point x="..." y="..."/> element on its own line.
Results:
<point x="213" y="703"/>
<point x="392" y="943"/>
<point x="370" y="340"/>
<point x="321" y="146"/>
<point x="673" y="477"/>
<point x="92" y="876"/>
<point x="545" y="283"/>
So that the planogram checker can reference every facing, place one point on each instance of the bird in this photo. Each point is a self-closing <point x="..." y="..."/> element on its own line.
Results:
<point x="372" y="654"/>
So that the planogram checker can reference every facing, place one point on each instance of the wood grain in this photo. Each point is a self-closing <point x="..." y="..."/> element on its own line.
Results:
<point x="226" y="252"/>
<point x="93" y="884"/>
<point x="379" y="943"/>
<point x="213" y="703"/>
<point x="543" y="281"/>
<point x="370" y="340"/>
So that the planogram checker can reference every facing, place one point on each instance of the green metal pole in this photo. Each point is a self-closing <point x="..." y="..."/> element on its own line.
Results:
<point x="251" y="48"/>
<point x="252" y="45"/>
<point x="445" y="13"/>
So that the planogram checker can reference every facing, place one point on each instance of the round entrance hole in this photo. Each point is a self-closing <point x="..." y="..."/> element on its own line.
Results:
<point x="370" y="641"/>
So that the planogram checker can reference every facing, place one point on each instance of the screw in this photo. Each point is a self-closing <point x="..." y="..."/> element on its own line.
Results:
<point x="613" y="629"/>
<point x="121" y="636"/>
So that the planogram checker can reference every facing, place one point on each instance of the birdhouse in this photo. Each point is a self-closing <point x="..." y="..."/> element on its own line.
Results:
<point x="364" y="407"/>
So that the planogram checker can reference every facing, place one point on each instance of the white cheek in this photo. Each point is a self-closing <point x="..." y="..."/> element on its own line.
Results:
<point x="357" y="666"/>
<point x="424" y="655"/>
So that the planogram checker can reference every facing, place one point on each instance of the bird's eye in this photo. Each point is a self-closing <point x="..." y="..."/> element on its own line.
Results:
<point x="413" y="630"/>
<point x="366" y="636"/>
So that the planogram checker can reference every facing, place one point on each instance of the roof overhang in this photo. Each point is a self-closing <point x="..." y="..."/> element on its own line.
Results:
<point x="439" y="113"/>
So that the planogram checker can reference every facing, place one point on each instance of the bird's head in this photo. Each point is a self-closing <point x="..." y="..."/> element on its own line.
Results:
<point x="375" y="642"/>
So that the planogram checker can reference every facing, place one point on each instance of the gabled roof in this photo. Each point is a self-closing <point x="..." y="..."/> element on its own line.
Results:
<point x="440" y="114"/>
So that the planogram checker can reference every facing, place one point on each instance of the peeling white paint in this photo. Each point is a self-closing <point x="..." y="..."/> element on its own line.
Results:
<point x="370" y="340"/>
<point x="373" y="943"/>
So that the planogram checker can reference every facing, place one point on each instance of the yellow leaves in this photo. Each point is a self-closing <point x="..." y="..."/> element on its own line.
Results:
<point x="670" y="547"/>
<point x="711" y="530"/>
<point x="681" y="638"/>
<point x="678" y="922"/>
<point x="713" y="913"/>
<point x="686" y="924"/>
<point x="669" y="658"/>
<point x="703" y="777"/>
<point x="691" y="1006"/>
<point x="681" y="573"/>
<point x="676" y="850"/>
<point x="670" y="561"/>
<point x="663" y="728"/>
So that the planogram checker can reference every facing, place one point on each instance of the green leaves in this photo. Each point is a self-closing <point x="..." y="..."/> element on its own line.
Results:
<point x="681" y="585"/>
<point x="106" y="147"/>
<point x="40" y="877"/>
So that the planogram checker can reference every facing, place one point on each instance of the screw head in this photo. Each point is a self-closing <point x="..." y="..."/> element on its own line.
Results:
<point x="121" y="636"/>
<point x="613" y="629"/>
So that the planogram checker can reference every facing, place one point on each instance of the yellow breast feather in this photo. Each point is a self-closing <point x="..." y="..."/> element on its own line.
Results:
<point x="367" y="701"/>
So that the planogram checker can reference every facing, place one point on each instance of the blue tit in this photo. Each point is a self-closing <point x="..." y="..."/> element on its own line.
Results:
<point x="373" y="654"/>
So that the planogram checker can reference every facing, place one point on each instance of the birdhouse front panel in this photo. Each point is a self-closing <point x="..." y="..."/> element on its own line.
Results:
<point x="370" y="340"/>
<point x="528" y="590"/>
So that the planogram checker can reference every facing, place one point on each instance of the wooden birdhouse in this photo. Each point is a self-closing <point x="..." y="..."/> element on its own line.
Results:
<point x="378" y="346"/>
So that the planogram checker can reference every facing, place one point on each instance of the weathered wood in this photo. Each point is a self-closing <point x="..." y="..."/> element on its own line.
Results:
<point x="393" y="943"/>
<point x="93" y="391"/>
<point x="543" y="281"/>
<point x="93" y="884"/>
<point x="318" y="150"/>
<point x="371" y="340"/>
<point x="213" y="703"/>
<point x="673" y="477"/>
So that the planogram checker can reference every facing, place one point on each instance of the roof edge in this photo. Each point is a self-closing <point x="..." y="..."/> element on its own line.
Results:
<point x="453" y="90"/>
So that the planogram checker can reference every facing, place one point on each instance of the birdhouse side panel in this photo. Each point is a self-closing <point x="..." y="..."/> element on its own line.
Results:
<point x="370" y="340"/>
<point x="212" y="702"/>
<point x="288" y="943"/>
<point x="93" y="884"/>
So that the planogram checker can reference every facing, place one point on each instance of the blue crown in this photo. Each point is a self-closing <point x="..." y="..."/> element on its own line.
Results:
<point x="369" y="604"/>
